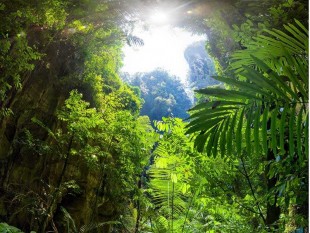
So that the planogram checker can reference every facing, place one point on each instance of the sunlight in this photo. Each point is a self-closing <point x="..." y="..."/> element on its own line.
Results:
<point x="164" y="45"/>
<point x="159" y="17"/>
<point x="163" y="48"/>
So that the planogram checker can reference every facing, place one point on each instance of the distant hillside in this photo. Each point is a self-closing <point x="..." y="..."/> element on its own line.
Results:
<point x="164" y="94"/>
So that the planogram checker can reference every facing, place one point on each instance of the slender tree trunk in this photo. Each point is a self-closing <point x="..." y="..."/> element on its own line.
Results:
<point x="247" y="176"/>
<point x="172" y="206"/>
<point x="138" y="217"/>
<point x="99" y="192"/>
<point x="273" y="211"/>
<point x="138" y="209"/>
<point x="66" y="162"/>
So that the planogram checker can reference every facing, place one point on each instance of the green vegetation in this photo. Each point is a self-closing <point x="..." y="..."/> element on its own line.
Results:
<point x="79" y="154"/>
<point x="262" y="120"/>
<point x="164" y="95"/>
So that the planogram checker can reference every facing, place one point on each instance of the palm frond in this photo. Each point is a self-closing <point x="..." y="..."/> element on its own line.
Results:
<point x="275" y="48"/>
<point x="266" y="101"/>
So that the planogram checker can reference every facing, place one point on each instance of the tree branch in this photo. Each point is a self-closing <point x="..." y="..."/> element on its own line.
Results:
<point x="252" y="190"/>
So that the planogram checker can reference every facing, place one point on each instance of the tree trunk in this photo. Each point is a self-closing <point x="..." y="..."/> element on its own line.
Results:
<point x="138" y="209"/>
<point x="273" y="211"/>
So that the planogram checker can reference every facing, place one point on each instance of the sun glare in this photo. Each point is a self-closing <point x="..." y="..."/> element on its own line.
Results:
<point x="164" y="45"/>
<point x="159" y="17"/>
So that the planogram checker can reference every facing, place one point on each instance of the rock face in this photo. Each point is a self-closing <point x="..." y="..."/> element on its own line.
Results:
<point x="201" y="66"/>
<point x="28" y="177"/>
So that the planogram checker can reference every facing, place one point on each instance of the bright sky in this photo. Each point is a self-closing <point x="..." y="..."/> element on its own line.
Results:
<point x="163" y="48"/>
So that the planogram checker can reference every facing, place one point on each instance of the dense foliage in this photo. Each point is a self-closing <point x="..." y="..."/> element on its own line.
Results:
<point x="84" y="131"/>
<point x="79" y="154"/>
<point x="263" y="118"/>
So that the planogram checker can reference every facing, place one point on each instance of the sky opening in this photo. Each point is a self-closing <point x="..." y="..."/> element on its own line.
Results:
<point x="163" y="48"/>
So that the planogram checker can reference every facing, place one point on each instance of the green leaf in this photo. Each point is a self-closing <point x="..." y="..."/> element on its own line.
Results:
<point x="291" y="42"/>
<point x="274" y="76"/>
<point x="215" y="104"/>
<point x="244" y="86"/>
<point x="200" y="142"/>
<point x="256" y="130"/>
<point x="174" y="178"/>
<point x="302" y="70"/>
<point x="216" y="139"/>
<point x="211" y="140"/>
<point x="224" y="133"/>
<point x="230" y="134"/>
<point x="161" y="162"/>
<point x="208" y="115"/>
<point x="299" y="133"/>
<point x="264" y="130"/>
<point x="185" y="188"/>
<point x="291" y="129"/>
<point x="228" y="94"/>
<point x="282" y="129"/>
<point x="205" y="105"/>
<point x="205" y="125"/>
<point x="263" y="82"/>
<point x="301" y="37"/>
<point x="273" y="131"/>
<point x="290" y="74"/>
<point x="248" y="132"/>
<point x="306" y="133"/>
<point x="239" y="132"/>
<point x="209" y="112"/>
<point x="302" y="27"/>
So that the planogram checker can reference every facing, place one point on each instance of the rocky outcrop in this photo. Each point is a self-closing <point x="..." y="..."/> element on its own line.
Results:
<point x="29" y="188"/>
<point x="201" y="66"/>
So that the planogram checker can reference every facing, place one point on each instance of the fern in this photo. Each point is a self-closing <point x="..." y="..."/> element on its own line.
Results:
<point x="167" y="193"/>
<point x="4" y="227"/>
<point x="71" y="227"/>
<point x="92" y="226"/>
<point x="169" y="184"/>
